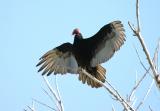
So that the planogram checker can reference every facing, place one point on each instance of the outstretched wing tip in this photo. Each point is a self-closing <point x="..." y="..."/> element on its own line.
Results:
<point x="39" y="63"/>
<point x="58" y="60"/>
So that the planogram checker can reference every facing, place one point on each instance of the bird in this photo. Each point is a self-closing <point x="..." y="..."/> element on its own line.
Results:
<point x="86" y="53"/>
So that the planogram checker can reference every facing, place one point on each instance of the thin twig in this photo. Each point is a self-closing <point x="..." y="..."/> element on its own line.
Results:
<point x="156" y="53"/>
<point x="50" y="97"/>
<point x="115" y="91"/>
<point x="147" y="55"/>
<point x="140" y="58"/>
<point x="134" y="101"/>
<point x="59" y="95"/>
<point x="132" y="28"/>
<point x="57" y="89"/>
<point x="158" y="49"/>
<point x="155" y="60"/>
<point x="58" y="101"/>
<point x="32" y="109"/>
<point x="146" y="95"/>
<point x="50" y="88"/>
<point x="150" y="108"/>
<point x="137" y="15"/>
<point x="45" y="105"/>
<point x="144" y="75"/>
<point x="113" y="109"/>
<point x="138" y="83"/>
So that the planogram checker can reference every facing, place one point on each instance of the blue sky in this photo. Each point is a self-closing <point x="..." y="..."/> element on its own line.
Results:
<point x="29" y="28"/>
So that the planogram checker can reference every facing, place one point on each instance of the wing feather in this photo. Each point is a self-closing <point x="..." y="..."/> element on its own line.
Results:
<point x="58" y="60"/>
<point x="106" y="42"/>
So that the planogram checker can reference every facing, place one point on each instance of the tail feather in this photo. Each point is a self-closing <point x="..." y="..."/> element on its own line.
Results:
<point x="98" y="72"/>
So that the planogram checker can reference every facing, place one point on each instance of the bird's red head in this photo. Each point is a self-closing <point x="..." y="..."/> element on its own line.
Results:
<point x="76" y="32"/>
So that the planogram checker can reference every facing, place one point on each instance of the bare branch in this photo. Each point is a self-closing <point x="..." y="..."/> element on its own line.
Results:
<point x="147" y="54"/>
<point x="116" y="92"/>
<point x="132" y="28"/>
<point x="50" y="97"/>
<point x="138" y="83"/>
<point x="140" y="59"/>
<point x="31" y="108"/>
<point x="155" y="60"/>
<point x="50" y="88"/>
<point x="141" y="79"/>
<point x="140" y="38"/>
<point x="146" y="95"/>
<point x="144" y="75"/>
<point x="113" y="109"/>
<point x="126" y="106"/>
<point x="150" y="108"/>
<point x="58" y="100"/>
<point x="45" y="105"/>
<point x="137" y="15"/>
<point x="59" y="96"/>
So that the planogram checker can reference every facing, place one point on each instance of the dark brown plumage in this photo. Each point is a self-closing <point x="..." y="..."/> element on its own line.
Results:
<point x="86" y="53"/>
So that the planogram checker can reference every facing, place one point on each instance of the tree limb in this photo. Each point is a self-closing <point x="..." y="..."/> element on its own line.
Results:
<point x="126" y="106"/>
<point x="56" y="95"/>
<point x="141" y="40"/>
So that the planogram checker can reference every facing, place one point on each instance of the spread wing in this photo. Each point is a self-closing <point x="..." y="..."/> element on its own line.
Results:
<point x="106" y="41"/>
<point x="58" y="60"/>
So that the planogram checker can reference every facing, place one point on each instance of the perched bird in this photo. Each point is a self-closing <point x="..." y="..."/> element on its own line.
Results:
<point x="86" y="53"/>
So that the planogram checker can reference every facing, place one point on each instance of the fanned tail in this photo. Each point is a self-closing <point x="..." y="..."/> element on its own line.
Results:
<point x="98" y="72"/>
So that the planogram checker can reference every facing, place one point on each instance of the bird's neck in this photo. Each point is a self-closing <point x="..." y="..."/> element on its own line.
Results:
<point x="77" y="39"/>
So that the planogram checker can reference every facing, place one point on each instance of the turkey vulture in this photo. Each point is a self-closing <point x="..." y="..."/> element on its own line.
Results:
<point x="86" y="53"/>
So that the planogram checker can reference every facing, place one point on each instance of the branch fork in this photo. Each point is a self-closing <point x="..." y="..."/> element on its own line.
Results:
<point x="142" y="42"/>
